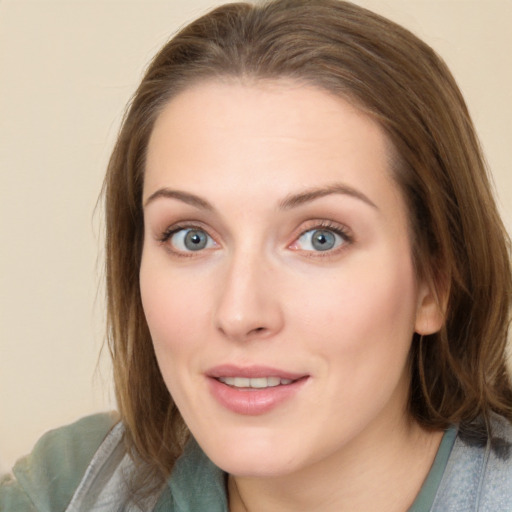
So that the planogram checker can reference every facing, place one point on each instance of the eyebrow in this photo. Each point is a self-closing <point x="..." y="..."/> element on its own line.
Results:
<point x="295" y="200"/>
<point x="185" y="197"/>
<point x="289" y="202"/>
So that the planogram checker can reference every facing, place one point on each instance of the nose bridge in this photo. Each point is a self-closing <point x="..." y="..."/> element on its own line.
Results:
<point x="248" y="306"/>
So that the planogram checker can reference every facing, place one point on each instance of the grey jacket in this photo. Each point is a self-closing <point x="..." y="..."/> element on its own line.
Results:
<point x="475" y="474"/>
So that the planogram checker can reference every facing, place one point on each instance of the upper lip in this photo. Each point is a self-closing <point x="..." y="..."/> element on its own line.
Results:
<point x="251" y="372"/>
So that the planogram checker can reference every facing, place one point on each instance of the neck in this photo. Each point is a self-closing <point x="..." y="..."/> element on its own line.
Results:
<point x="373" y="473"/>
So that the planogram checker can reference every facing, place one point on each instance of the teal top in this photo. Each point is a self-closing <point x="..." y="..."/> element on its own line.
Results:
<point x="45" y="480"/>
<point x="425" y="498"/>
<point x="83" y="468"/>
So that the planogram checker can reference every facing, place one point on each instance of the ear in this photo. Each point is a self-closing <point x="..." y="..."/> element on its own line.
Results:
<point x="431" y="309"/>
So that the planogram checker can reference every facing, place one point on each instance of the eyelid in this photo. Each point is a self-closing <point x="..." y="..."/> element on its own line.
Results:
<point x="162" y="235"/>
<point x="323" y="224"/>
<point x="165" y="236"/>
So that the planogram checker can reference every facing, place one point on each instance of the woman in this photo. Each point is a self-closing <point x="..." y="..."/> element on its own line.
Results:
<point x="308" y="282"/>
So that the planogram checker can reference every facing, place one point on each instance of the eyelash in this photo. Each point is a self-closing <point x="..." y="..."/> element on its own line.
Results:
<point x="326" y="225"/>
<point x="172" y="230"/>
<point x="166" y="235"/>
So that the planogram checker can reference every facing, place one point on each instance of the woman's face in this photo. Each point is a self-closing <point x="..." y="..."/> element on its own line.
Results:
<point x="276" y="275"/>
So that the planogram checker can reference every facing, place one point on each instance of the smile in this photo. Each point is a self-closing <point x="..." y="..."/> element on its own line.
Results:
<point x="254" y="383"/>
<point x="253" y="390"/>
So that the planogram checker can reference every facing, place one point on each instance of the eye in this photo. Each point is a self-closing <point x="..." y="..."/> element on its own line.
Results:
<point x="320" y="240"/>
<point x="190" y="240"/>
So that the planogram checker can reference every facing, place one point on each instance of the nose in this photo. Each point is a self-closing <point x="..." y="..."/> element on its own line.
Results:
<point x="248" y="305"/>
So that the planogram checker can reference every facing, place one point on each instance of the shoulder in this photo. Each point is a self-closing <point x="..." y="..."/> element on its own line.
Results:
<point x="478" y="475"/>
<point x="46" y="479"/>
<point x="496" y="477"/>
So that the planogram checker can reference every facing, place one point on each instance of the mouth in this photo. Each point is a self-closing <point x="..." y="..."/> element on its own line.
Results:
<point x="254" y="383"/>
<point x="253" y="390"/>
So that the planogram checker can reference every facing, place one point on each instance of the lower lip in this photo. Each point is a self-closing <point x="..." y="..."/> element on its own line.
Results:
<point x="253" y="401"/>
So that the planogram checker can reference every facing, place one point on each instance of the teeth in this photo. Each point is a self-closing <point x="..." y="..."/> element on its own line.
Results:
<point x="257" y="383"/>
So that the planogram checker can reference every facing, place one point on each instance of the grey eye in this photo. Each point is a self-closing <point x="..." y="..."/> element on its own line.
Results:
<point x="191" y="240"/>
<point x="195" y="240"/>
<point x="320" y="240"/>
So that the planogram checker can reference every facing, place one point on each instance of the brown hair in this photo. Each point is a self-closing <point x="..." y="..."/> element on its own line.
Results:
<point x="459" y="242"/>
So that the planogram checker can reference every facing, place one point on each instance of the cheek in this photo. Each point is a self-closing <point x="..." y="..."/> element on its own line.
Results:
<point x="363" y="325"/>
<point x="172" y="306"/>
<point x="174" y="309"/>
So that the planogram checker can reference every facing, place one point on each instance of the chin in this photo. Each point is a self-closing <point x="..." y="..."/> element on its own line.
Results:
<point x="254" y="456"/>
<point x="257" y="466"/>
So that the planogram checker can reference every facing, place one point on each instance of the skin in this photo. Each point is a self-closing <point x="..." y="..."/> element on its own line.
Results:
<point x="260" y="293"/>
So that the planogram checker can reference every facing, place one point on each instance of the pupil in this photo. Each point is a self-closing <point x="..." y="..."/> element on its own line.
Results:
<point x="195" y="240"/>
<point x="323" y="240"/>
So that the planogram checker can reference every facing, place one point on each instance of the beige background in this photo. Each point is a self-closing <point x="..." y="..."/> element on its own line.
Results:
<point x="67" y="68"/>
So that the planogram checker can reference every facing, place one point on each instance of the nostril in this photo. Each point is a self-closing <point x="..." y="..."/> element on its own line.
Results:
<point x="258" y="331"/>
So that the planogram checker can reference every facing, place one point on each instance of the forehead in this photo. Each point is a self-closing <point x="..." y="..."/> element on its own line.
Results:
<point x="276" y="107"/>
<point x="286" y="134"/>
